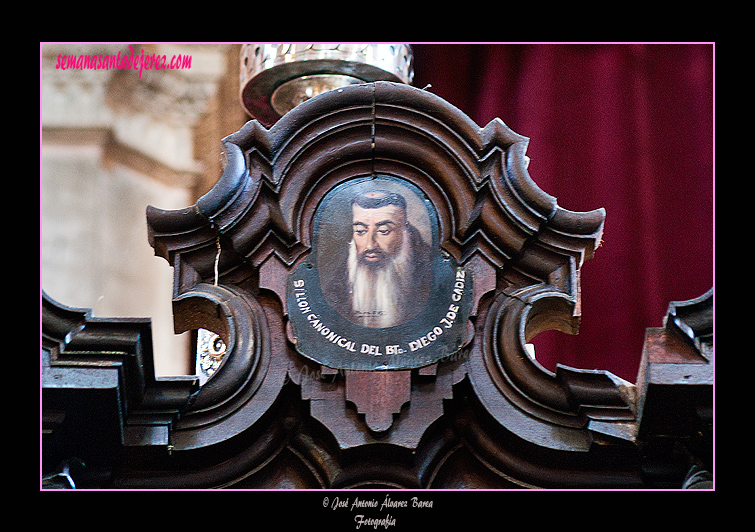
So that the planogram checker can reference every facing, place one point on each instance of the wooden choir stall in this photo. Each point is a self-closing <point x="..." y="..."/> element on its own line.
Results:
<point x="323" y="382"/>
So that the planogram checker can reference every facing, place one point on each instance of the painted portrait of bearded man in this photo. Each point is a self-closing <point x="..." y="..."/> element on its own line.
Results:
<point x="377" y="290"/>
<point x="384" y="273"/>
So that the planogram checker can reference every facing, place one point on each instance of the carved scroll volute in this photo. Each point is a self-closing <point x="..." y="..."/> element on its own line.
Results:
<point x="565" y="410"/>
<point x="215" y="289"/>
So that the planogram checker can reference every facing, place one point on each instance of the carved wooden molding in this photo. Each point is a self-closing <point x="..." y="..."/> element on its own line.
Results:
<point x="110" y="360"/>
<point x="485" y="415"/>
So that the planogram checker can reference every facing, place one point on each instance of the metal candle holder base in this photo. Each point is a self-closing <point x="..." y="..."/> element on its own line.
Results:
<point x="275" y="78"/>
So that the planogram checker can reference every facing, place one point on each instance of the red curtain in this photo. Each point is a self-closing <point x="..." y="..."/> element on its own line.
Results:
<point x="627" y="127"/>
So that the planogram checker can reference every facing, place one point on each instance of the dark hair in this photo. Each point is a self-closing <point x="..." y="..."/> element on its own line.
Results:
<point x="379" y="198"/>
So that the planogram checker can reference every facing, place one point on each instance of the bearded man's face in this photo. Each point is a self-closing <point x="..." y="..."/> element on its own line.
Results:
<point x="378" y="233"/>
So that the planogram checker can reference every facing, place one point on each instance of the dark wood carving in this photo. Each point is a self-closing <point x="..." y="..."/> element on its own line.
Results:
<point x="487" y="415"/>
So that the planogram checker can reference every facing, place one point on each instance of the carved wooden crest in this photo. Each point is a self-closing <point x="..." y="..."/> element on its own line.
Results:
<point x="446" y="381"/>
<point x="274" y="216"/>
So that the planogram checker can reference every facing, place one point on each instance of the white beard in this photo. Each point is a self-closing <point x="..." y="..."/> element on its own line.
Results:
<point x="378" y="295"/>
